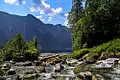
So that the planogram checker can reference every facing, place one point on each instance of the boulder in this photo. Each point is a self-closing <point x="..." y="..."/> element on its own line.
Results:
<point x="11" y="72"/>
<point x="6" y="67"/>
<point x="12" y="62"/>
<point x="28" y="63"/>
<point x="58" y="67"/>
<point x="117" y="55"/>
<point x="107" y="55"/>
<point x="85" y="75"/>
<point x="30" y="76"/>
<point x="99" y="77"/>
<point x="29" y="72"/>
<point x="2" y="78"/>
<point x="90" y="60"/>
<point x="42" y="69"/>
<point x="37" y="63"/>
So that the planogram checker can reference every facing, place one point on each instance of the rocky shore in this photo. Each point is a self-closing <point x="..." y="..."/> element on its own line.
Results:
<point x="61" y="67"/>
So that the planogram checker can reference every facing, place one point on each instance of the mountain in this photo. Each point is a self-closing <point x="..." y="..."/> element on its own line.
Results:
<point x="51" y="38"/>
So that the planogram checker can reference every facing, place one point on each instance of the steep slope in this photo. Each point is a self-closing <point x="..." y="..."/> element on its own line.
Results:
<point x="52" y="38"/>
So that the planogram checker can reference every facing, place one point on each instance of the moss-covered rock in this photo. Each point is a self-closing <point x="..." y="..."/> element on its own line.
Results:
<point x="106" y="55"/>
<point x="79" y="53"/>
<point x="29" y="76"/>
<point x="42" y="69"/>
<point x="37" y="63"/>
<point x="92" y="58"/>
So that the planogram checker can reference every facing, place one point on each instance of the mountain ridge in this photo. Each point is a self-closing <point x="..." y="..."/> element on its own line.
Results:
<point x="52" y="38"/>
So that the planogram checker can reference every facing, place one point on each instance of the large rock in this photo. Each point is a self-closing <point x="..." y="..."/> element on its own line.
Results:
<point x="58" y="67"/>
<point x="6" y="66"/>
<point x="117" y="55"/>
<point x="85" y="75"/>
<point x="99" y="77"/>
<point x="28" y="63"/>
<point x="37" y="63"/>
<point x="71" y="62"/>
<point x="30" y="76"/>
<point x="106" y="55"/>
<point x="11" y="72"/>
<point x="42" y="69"/>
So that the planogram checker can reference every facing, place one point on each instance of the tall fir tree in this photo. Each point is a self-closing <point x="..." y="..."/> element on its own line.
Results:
<point x="74" y="16"/>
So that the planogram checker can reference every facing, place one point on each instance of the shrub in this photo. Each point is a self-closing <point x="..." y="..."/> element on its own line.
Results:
<point x="31" y="55"/>
<point x="78" y="54"/>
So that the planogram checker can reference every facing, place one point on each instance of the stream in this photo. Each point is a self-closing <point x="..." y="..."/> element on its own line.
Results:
<point x="103" y="70"/>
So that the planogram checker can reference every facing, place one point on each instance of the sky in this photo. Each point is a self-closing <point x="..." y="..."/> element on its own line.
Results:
<point x="48" y="11"/>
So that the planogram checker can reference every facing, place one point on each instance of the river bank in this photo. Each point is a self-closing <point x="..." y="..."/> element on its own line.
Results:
<point x="61" y="67"/>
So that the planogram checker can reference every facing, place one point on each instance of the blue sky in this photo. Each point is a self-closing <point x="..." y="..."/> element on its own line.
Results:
<point x="48" y="11"/>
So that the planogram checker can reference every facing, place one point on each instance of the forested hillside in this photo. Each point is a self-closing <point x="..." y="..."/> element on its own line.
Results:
<point x="96" y="22"/>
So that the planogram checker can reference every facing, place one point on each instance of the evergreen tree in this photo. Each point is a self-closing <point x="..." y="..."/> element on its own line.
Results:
<point x="74" y="16"/>
<point x="99" y="22"/>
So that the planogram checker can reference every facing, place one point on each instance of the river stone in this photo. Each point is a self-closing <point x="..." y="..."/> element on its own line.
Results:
<point x="6" y="66"/>
<point x="85" y="75"/>
<point x="42" y="69"/>
<point x="90" y="60"/>
<point x="117" y="55"/>
<point x="28" y="63"/>
<point x="2" y="78"/>
<point x="11" y="72"/>
<point x="107" y="55"/>
<point x="99" y="77"/>
<point x="29" y="72"/>
<point x="37" y="63"/>
<point x="30" y="76"/>
<point x="58" y="67"/>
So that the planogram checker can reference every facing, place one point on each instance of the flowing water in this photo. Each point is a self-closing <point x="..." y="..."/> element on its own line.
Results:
<point x="106" y="68"/>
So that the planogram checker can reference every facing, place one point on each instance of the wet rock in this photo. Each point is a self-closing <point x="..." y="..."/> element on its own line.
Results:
<point x="12" y="62"/>
<point x="28" y="63"/>
<point x="64" y="61"/>
<point x="119" y="62"/>
<point x="117" y="55"/>
<point x="30" y="76"/>
<point x="11" y="72"/>
<point x="90" y="60"/>
<point x="111" y="60"/>
<point x="103" y="65"/>
<point x="19" y="64"/>
<point x="45" y="76"/>
<point x="6" y="67"/>
<point x="2" y="78"/>
<point x="71" y="62"/>
<point x="28" y="72"/>
<point x="85" y="75"/>
<point x="58" y="67"/>
<point x="99" y="77"/>
<point x="107" y="55"/>
<point x="42" y="69"/>
<point x="37" y="63"/>
<point x="94" y="78"/>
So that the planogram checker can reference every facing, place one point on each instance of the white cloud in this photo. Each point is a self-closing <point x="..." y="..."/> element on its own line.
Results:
<point x="45" y="9"/>
<point x="16" y="2"/>
<point x="49" y="19"/>
<point x="10" y="1"/>
<point x="66" y="20"/>
<point x="41" y="18"/>
<point x="57" y="10"/>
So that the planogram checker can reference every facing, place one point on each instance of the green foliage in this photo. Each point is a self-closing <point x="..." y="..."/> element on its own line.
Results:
<point x="18" y="48"/>
<point x="98" y="23"/>
<point x="79" y="53"/>
<point x="111" y="46"/>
